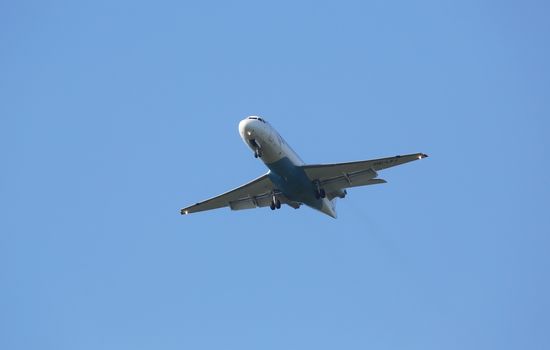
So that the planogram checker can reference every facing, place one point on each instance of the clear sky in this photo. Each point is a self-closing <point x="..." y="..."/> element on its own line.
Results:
<point x="115" y="114"/>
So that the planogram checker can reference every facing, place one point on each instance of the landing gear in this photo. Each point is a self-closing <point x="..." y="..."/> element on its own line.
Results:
<point x="257" y="153"/>
<point x="256" y="147"/>
<point x="319" y="192"/>
<point x="275" y="203"/>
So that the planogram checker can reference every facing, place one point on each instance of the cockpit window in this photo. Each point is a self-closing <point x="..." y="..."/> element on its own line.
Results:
<point x="257" y="118"/>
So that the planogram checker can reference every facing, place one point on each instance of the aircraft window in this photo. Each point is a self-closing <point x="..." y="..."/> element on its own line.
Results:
<point x="257" y="118"/>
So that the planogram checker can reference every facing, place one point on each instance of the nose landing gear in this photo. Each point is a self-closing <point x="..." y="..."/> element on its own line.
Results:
<point x="257" y="153"/>
<point x="256" y="147"/>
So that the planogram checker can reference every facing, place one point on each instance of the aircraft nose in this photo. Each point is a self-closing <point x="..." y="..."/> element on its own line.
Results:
<point x="246" y="127"/>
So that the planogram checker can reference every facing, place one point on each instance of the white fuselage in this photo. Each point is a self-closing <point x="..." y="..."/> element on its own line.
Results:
<point x="284" y="164"/>
<point x="272" y="146"/>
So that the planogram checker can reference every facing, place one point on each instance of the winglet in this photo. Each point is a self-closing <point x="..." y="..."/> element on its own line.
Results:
<point x="422" y="155"/>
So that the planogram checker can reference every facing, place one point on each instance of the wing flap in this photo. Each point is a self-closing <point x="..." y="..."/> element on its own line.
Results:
<point x="246" y="203"/>
<point x="350" y="178"/>
<point x="334" y="188"/>
<point x="251" y="202"/>
<point x="334" y="178"/>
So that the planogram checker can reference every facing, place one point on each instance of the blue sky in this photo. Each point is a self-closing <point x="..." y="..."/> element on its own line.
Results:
<point x="115" y="114"/>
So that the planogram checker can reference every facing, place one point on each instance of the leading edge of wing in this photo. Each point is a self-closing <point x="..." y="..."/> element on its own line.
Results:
<point x="324" y="171"/>
<point x="261" y="183"/>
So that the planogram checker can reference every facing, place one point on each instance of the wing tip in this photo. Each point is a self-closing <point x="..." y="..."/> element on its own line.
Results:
<point x="422" y="155"/>
<point x="185" y="211"/>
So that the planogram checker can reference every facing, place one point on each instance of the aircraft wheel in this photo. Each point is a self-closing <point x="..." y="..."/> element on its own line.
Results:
<point x="278" y="204"/>
<point x="272" y="206"/>
<point x="320" y="194"/>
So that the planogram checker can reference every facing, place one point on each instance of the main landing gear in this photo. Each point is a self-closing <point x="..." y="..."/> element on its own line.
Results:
<point x="319" y="192"/>
<point x="275" y="203"/>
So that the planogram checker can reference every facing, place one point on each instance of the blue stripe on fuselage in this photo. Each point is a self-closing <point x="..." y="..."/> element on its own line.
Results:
<point x="293" y="182"/>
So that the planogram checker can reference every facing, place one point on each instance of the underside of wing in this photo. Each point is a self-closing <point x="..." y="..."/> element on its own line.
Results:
<point x="256" y="193"/>
<point x="333" y="178"/>
<point x="334" y="188"/>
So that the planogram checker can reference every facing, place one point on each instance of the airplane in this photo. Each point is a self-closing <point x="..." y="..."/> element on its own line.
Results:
<point x="292" y="182"/>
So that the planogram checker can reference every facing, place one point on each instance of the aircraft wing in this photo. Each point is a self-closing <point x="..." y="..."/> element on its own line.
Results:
<point x="256" y="193"/>
<point x="338" y="176"/>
